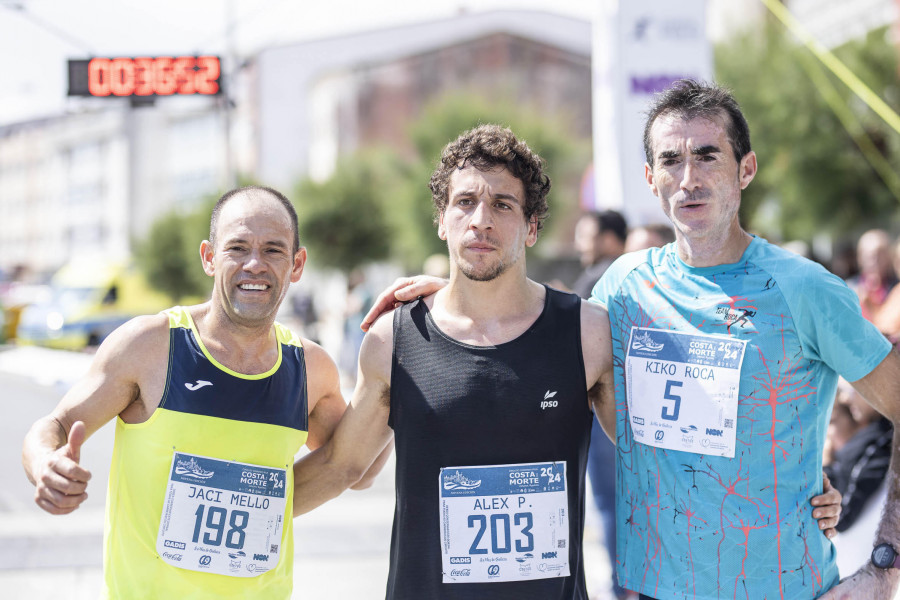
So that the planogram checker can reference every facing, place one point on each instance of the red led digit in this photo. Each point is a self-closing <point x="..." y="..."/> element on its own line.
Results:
<point x="147" y="76"/>
<point x="207" y="77"/>
<point x="165" y="78"/>
<point x="98" y="77"/>
<point x="143" y="76"/>
<point x="122" y="81"/>
<point x="184" y="74"/>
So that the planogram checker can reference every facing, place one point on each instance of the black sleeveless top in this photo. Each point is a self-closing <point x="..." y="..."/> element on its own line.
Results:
<point x="453" y="404"/>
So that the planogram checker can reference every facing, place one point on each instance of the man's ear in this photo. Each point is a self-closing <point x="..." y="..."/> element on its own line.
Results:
<point x="532" y="238"/>
<point x="206" y="257"/>
<point x="442" y="231"/>
<point x="747" y="169"/>
<point x="648" y="176"/>
<point x="299" y="262"/>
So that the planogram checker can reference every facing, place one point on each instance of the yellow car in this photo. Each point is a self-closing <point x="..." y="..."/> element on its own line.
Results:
<point x="87" y="301"/>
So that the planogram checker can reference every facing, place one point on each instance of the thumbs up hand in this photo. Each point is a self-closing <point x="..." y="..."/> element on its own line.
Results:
<point x="61" y="482"/>
<point x="76" y="439"/>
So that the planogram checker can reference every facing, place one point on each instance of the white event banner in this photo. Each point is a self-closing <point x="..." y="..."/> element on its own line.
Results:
<point x="639" y="49"/>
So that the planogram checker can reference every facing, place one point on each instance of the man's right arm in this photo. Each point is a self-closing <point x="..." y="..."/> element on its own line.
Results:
<point x="51" y="449"/>
<point x="362" y="438"/>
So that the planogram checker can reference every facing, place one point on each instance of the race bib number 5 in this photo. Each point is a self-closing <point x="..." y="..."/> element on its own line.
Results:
<point x="222" y="517"/>
<point x="504" y="522"/>
<point x="683" y="390"/>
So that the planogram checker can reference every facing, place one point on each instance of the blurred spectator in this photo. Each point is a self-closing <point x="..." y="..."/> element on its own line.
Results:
<point x="876" y="271"/>
<point x="857" y="457"/>
<point x="655" y="235"/>
<point x="860" y="452"/>
<point x="303" y="308"/>
<point x="599" y="240"/>
<point x="359" y="298"/>
<point x="843" y="262"/>
<point x="840" y="430"/>
<point x="887" y="317"/>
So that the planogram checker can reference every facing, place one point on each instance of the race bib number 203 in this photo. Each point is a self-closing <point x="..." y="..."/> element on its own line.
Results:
<point x="504" y="522"/>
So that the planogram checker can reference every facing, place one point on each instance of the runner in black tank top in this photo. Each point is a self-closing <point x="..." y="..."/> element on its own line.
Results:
<point x="454" y="405"/>
<point x="491" y="433"/>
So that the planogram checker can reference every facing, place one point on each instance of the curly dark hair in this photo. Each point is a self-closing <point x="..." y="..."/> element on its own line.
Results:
<point x="486" y="147"/>
<point x="689" y="99"/>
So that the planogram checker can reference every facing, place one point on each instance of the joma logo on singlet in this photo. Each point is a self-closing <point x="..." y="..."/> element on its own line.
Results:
<point x="196" y="386"/>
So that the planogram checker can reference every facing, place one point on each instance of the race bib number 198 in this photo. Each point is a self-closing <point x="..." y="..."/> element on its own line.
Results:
<point x="504" y="522"/>
<point x="222" y="517"/>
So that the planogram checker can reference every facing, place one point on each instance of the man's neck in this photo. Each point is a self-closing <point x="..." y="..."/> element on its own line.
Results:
<point x="245" y="349"/>
<point x="713" y="249"/>
<point x="488" y="312"/>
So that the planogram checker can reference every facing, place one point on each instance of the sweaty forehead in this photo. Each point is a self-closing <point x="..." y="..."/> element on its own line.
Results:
<point x="672" y="131"/>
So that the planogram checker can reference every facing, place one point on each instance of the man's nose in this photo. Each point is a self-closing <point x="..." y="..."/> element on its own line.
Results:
<point x="482" y="218"/>
<point x="689" y="177"/>
<point x="254" y="262"/>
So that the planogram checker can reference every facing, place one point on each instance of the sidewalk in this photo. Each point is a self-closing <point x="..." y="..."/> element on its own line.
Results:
<point x="341" y="548"/>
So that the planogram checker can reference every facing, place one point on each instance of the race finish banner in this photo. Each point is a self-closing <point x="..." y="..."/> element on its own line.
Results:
<point x="639" y="49"/>
<point x="504" y="522"/>
<point x="683" y="390"/>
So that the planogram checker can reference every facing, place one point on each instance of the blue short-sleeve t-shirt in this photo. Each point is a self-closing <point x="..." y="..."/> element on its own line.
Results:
<point x="692" y="525"/>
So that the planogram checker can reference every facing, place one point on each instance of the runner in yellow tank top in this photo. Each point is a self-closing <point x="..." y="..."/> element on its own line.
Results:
<point x="211" y="403"/>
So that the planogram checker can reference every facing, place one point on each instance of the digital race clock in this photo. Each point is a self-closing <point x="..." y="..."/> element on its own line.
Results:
<point x="145" y="76"/>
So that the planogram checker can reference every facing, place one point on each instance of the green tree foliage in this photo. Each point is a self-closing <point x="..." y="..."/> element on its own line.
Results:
<point x="169" y="255"/>
<point x="812" y="175"/>
<point x="342" y="220"/>
<point x="377" y="204"/>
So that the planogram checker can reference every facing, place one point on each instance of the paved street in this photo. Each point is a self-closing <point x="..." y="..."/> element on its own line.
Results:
<point x="341" y="549"/>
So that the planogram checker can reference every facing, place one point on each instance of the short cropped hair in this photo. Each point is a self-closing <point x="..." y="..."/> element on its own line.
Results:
<point x="251" y="189"/>
<point x="487" y="147"/>
<point x="689" y="99"/>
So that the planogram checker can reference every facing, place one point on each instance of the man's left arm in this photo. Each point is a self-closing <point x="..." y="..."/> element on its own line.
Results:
<point x="881" y="389"/>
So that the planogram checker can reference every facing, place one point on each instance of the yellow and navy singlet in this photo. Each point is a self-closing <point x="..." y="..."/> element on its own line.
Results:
<point x="215" y="435"/>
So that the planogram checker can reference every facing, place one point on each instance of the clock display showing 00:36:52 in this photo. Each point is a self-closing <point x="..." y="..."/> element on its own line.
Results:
<point x="145" y="76"/>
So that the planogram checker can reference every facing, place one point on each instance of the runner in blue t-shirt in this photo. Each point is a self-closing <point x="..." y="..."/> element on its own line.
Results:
<point x="727" y="351"/>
